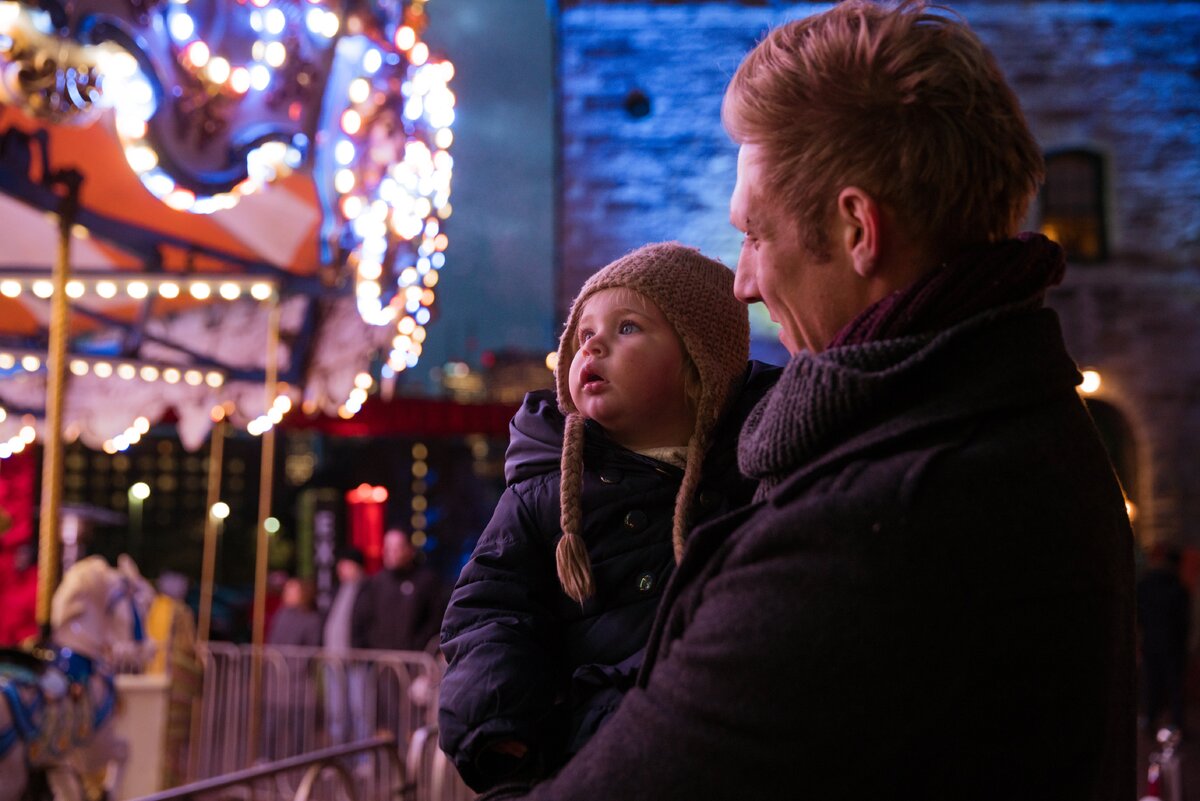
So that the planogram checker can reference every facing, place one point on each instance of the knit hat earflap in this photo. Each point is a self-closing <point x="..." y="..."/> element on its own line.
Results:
<point x="695" y="294"/>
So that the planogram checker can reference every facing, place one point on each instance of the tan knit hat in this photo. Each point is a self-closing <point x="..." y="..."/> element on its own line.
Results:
<point x="695" y="294"/>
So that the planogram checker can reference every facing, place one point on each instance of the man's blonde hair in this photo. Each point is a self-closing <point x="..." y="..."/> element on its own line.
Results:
<point x="902" y="102"/>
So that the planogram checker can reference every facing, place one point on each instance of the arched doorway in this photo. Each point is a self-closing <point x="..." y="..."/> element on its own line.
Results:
<point x="1119" y="440"/>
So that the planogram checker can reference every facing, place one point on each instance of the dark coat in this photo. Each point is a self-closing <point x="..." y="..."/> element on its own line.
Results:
<point x="398" y="610"/>
<point x="525" y="661"/>
<point x="1163" y="611"/>
<point x="937" y="606"/>
<point x="295" y="626"/>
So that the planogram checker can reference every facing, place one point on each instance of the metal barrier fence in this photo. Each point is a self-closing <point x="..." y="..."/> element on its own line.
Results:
<point x="316" y="769"/>
<point x="312" y="699"/>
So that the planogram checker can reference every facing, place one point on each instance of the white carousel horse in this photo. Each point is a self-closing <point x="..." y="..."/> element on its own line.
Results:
<point x="59" y="698"/>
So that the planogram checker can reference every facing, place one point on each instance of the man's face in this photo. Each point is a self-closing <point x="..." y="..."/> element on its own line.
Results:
<point x="397" y="550"/>
<point x="810" y="298"/>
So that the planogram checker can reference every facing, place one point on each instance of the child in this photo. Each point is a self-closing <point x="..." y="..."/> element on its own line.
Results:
<point x="546" y="627"/>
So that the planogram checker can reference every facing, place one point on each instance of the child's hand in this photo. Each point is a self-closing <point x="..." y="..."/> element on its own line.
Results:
<point x="512" y="748"/>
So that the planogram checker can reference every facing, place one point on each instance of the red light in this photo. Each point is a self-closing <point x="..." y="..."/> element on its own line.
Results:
<point x="366" y="493"/>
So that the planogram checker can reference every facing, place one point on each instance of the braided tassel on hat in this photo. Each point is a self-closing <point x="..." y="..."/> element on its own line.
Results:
<point x="683" y="500"/>
<point x="574" y="566"/>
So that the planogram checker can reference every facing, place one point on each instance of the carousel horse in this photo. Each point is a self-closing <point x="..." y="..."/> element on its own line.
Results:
<point x="59" y="698"/>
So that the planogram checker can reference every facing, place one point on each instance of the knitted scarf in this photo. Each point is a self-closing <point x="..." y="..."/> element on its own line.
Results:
<point x="821" y="397"/>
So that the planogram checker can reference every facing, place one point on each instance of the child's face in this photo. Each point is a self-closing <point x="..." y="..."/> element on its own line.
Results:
<point x="627" y="373"/>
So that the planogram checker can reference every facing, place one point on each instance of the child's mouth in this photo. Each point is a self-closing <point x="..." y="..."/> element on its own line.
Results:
<point x="591" y="379"/>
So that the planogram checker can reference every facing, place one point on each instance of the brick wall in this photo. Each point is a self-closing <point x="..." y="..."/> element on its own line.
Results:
<point x="644" y="158"/>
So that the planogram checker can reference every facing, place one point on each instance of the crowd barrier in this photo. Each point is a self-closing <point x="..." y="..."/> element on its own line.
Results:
<point x="310" y="699"/>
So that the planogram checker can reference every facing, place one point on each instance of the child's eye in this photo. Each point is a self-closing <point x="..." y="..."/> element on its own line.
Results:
<point x="584" y="334"/>
<point x="627" y="327"/>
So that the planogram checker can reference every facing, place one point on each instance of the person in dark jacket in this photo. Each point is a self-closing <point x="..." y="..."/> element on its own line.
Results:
<point x="1163" y="611"/>
<point x="296" y="622"/>
<point x="289" y="703"/>
<point x="546" y="627"/>
<point x="400" y="607"/>
<point x="931" y="596"/>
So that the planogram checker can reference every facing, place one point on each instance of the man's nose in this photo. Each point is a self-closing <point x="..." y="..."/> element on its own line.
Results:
<point x="745" y="288"/>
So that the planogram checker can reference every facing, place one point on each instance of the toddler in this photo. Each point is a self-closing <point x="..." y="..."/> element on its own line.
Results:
<point x="546" y="627"/>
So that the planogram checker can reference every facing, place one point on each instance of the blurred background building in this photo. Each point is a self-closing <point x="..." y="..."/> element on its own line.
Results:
<point x="1112" y="92"/>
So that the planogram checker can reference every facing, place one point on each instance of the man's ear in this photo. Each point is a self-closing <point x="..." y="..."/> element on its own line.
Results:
<point x="861" y="222"/>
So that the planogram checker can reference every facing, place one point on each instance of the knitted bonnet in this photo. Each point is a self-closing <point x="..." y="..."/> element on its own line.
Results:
<point x="695" y="294"/>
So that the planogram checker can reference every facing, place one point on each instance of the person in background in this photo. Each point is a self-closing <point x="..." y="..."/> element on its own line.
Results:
<point x="296" y="621"/>
<point x="549" y="620"/>
<point x="1163" y="612"/>
<point x="291" y="692"/>
<point x="400" y="607"/>
<point x="344" y="686"/>
<point x="931" y="596"/>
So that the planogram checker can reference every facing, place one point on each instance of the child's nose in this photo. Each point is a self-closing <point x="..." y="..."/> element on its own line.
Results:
<point x="596" y="343"/>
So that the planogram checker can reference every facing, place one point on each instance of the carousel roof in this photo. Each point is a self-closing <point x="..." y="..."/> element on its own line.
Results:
<point x="171" y="309"/>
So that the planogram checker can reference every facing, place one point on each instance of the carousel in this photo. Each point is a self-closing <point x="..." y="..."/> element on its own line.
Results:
<point x="215" y="213"/>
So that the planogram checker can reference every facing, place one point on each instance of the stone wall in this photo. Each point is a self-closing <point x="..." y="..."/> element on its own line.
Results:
<point x="644" y="158"/>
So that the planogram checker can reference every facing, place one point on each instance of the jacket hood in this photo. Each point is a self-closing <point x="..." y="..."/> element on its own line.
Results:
<point x="535" y="438"/>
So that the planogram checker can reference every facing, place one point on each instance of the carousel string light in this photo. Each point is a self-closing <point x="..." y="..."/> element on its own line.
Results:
<point x="358" y="396"/>
<point x="140" y="285"/>
<point x="273" y="417"/>
<point x="393" y="174"/>
<point x="19" y="441"/>
<point x="130" y="436"/>
<point x="124" y="369"/>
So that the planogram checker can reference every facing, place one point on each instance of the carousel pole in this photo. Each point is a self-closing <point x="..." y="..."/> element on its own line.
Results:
<point x="50" y="542"/>
<point x="266" y="477"/>
<point x="208" y="569"/>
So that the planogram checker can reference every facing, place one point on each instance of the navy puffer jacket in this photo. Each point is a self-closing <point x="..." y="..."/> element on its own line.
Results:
<point x="526" y="662"/>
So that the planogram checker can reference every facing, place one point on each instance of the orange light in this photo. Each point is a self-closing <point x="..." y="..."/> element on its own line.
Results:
<point x="405" y="37"/>
<point x="197" y="53"/>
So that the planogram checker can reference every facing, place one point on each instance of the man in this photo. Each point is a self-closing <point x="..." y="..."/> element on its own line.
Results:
<point x="932" y="596"/>
<point x="400" y="607"/>
<point x="1163" y="609"/>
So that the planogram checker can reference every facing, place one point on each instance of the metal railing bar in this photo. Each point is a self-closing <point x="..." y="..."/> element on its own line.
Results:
<point x="246" y="775"/>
